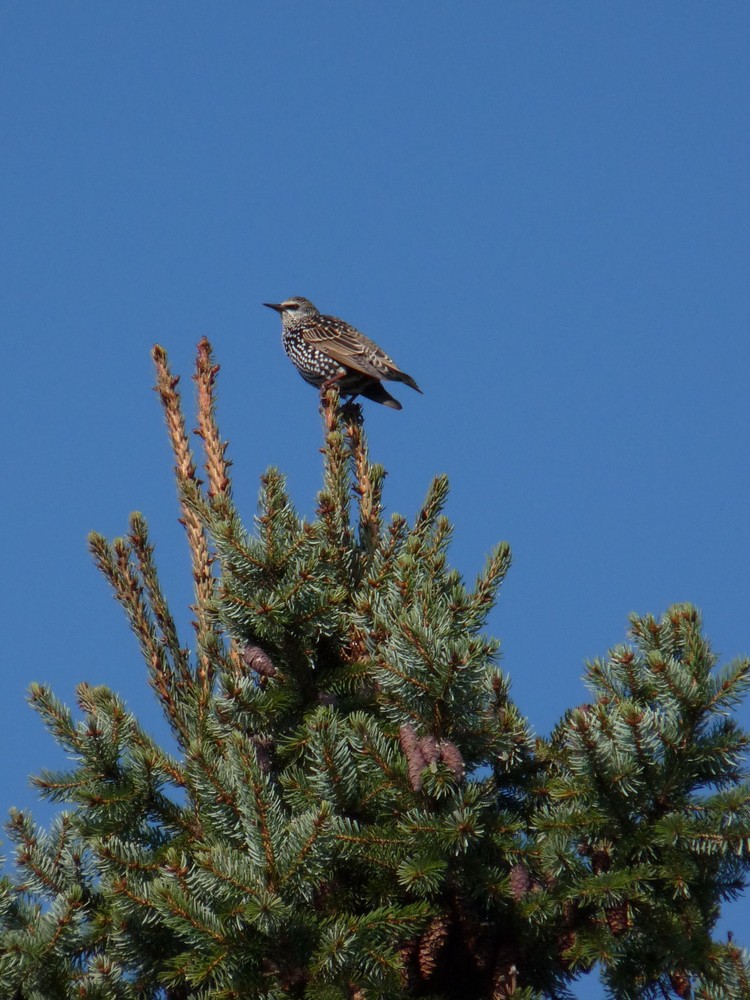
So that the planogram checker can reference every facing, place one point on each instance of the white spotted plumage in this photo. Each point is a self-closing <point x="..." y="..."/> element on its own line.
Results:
<point x="326" y="350"/>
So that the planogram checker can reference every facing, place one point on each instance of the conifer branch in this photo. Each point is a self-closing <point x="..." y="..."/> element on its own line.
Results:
<point x="263" y="812"/>
<point x="334" y="500"/>
<point x="216" y="463"/>
<point x="428" y="514"/>
<point x="381" y="569"/>
<point x="367" y="483"/>
<point x="185" y="471"/>
<point x="115" y="563"/>
<point x="144" y="553"/>
<point x="57" y="717"/>
<point x="358" y="809"/>
<point x="488" y="582"/>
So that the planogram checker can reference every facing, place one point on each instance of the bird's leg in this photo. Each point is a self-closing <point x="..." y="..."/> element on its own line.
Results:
<point x="331" y="382"/>
<point x="327" y="398"/>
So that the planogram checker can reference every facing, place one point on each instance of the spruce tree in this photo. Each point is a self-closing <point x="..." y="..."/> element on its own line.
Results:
<point x="352" y="806"/>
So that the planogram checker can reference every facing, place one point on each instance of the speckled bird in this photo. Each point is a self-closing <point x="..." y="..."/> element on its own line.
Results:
<point x="326" y="351"/>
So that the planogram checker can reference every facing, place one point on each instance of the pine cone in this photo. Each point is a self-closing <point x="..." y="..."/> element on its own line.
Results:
<point x="680" y="983"/>
<point x="431" y="944"/>
<point x="407" y="737"/>
<point x="430" y="749"/>
<point x="564" y="943"/>
<point x="263" y="747"/>
<point x="618" y="919"/>
<point x="451" y="757"/>
<point x="258" y="660"/>
<point x="410" y="744"/>
<point x="407" y="953"/>
<point x="520" y="880"/>
<point x="601" y="861"/>
<point x="570" y="913"/>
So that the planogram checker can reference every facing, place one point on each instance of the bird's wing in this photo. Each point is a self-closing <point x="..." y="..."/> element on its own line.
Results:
<point x="349" y="347"/>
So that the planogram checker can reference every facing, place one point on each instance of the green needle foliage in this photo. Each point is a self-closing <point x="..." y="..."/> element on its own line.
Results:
<point x="352" y="807"/>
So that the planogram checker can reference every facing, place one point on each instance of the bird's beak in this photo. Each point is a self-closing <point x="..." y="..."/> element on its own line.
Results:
<point x="274" y="305"/>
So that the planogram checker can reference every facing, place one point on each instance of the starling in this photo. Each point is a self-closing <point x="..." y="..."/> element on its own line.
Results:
<point x="326" y="351"/>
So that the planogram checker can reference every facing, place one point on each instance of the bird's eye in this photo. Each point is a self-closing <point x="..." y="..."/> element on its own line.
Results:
<point x="291" y="306"/>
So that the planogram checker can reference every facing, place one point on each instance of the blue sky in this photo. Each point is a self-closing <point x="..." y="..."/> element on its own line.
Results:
<point x="541" y="210"/>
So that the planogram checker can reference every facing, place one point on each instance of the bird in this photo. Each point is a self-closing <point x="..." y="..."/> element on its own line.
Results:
<point x="326" y="351"/>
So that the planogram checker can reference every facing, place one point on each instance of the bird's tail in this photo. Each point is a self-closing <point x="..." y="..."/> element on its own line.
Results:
<point x="396" y="375"/>
<point x="378" y="394"/>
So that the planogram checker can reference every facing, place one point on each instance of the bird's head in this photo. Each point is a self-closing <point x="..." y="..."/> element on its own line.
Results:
<point x="293" y="308"/>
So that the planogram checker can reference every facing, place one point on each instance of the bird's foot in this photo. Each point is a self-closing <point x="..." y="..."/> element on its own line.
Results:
<point x="351" y="410"/>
